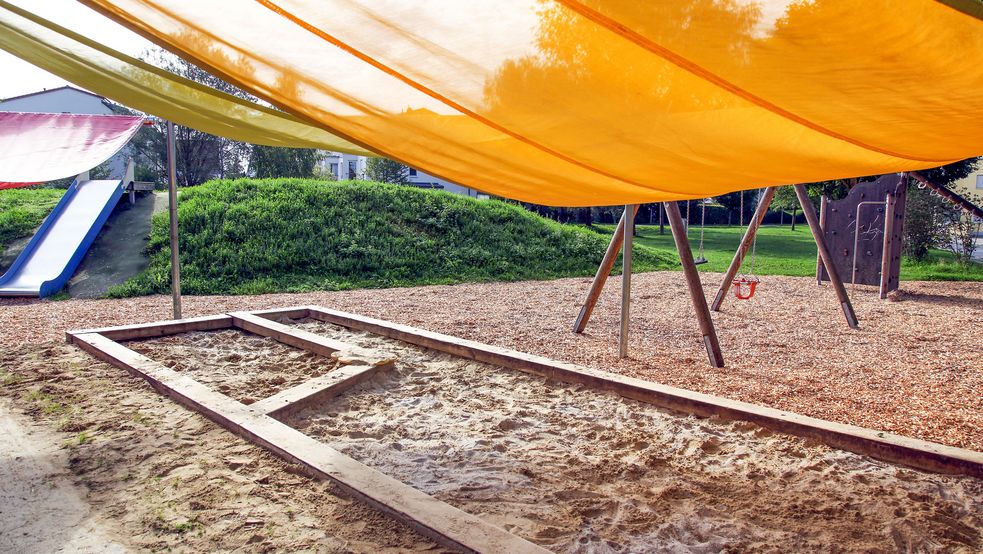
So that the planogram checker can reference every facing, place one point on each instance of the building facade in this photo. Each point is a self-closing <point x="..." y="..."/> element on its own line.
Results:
<point x="349" y="166"/>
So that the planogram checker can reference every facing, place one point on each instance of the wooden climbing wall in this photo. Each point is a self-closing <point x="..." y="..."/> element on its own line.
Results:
<point x="840" y="230"/>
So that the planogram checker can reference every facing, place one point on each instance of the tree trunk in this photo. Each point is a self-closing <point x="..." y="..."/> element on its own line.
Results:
<point x="662" y="219"/>
<point x="793" y="217"/>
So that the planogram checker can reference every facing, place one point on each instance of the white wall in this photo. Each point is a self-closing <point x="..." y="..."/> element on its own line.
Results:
<point x="340" y="165"/>
<point x="419" y="178"/>
<point x="61" y="100"/>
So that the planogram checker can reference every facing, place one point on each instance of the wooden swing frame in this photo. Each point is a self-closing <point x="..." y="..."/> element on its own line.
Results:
<point x="692" y="276"/>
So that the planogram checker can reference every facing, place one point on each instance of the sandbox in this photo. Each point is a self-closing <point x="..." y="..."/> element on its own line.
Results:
<point x="490" y="459"/>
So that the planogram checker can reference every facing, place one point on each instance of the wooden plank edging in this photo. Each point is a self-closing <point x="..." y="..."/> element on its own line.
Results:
<point x="158" y="328"/>
<point x="442" y="522"/>
<point x="885" y="446"/>
<point x="318" y="389"/>
<point x="285" y="334"/>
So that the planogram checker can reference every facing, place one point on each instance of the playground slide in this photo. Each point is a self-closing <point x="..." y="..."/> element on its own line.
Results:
<point x="50" y="259"/>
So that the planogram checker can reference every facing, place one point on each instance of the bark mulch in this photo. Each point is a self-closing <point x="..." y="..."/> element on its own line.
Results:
<point x="915" y="367"/>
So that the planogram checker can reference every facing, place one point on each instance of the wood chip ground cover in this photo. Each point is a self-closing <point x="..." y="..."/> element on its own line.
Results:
<point x="576" y="470"/>
<point x="914" y="368"/>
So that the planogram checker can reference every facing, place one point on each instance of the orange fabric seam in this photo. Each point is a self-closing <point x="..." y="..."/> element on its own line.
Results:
<point x="706" y="75"/>
<point x="437" y="96"/>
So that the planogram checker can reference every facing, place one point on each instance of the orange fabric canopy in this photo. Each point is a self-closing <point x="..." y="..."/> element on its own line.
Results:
<point x="594" y="102"/>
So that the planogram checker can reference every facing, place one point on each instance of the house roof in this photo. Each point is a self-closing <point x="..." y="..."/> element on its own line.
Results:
<point x="46" y="91"/>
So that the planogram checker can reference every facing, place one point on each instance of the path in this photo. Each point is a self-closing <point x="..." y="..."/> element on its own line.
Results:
<point x="41" y="510"/>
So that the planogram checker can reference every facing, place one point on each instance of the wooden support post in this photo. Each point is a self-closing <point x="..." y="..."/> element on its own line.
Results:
<point x="172" y="212"/>
<point x="889" y="207"/>
<point x="695" y="285"/>
<point x="834" y="276"/>
<point x="627" y="234"/>
<point x="823" y="206"/>
<point x="603" y="271"/>
<point x="746" y="241"/>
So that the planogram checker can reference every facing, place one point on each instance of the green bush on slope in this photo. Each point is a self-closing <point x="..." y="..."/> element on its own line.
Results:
<point x="22" y="210"/>
<point x="252" y="236"/>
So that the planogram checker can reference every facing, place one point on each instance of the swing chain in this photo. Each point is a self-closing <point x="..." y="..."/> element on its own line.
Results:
<point x="703" y="220"/>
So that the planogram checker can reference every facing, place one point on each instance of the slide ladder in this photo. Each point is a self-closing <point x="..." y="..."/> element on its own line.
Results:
<point x="50" y="259"/>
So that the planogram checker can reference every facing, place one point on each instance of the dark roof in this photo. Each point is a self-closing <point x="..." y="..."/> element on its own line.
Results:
<point x="52" y="90"/>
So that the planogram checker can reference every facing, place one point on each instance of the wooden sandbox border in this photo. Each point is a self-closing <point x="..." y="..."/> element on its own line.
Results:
<point x="445" y="524"/>
<point x="897" y="449"/>
<point x="257" y="423"/>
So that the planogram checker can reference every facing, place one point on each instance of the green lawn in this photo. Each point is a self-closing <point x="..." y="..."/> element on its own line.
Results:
<point x="22" y="210"/>
<point x="781" y="251"/>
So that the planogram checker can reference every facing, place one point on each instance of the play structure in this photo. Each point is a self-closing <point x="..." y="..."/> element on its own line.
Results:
<point x="49" y="260"/>
<point x="864" y="231"/>
<point x="679" y="117"/>
<point x="41" y="147"/>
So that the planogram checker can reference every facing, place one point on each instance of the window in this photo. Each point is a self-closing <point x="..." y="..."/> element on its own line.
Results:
<point x="413" y="174"/>
<point x="334" y="170"/>
<point x="979" y="181"/>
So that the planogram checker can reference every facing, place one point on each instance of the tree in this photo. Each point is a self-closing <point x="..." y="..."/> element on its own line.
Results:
<point x="200" y="156"/>
<point x="732" y="202"/>
<point x="930" y="221"/>
<point x="785" y="200"/>
<point x="273" y="161"/>
<point x="387" y="171"/>
<point x="962" y="230"/>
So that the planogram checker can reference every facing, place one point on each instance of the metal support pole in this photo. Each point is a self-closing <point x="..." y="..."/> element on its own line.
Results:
<point x="627" y="233"/>
<point x="695" y="285"/>
<point x="735" y="264"/>
<point x="172" y="212"/>
<point x="601" y="277"/>
<point x="886" y="251"/>
<point x="823" y="207"/>
<point x="834" y="276"/>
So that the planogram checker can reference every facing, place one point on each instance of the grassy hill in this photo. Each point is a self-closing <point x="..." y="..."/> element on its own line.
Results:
<point x="22" y="210"/>
<point x="253" y="236"/>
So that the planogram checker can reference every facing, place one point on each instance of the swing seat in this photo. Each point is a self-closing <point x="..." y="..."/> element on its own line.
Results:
<point x="745" y="286"/>
<point x="700" y="260"/>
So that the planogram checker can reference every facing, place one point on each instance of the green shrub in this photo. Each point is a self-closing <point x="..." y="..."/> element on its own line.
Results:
<point x="255" y="236"/>
<point x="22" y="210"/>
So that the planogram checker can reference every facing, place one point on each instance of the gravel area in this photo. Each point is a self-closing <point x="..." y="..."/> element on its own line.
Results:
<point x="914" y="368"/>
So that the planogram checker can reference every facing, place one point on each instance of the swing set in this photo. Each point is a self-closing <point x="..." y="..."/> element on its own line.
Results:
<point x="745" y="284"/>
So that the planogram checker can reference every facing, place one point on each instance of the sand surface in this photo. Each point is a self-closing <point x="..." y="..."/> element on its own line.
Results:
<point x="914" y="368"/>
<point x="580" y="471"/>
<point x="244" y="366"/>
<point x="159" y="478"/>
<point x="41" y="509"/>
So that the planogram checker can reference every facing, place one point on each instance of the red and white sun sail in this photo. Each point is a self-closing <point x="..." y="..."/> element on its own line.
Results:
<point x="39" y="147"/>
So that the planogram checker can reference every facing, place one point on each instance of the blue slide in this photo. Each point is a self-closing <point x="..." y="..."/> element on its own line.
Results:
<point x="57" y="249"/>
